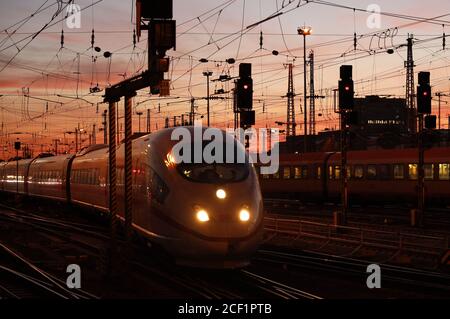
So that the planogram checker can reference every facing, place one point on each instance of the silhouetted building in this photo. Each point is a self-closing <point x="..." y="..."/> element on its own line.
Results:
<point x="381" y="123"/>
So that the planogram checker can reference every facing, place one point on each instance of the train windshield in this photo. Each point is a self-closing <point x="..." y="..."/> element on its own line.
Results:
<point x="230" y="166"/>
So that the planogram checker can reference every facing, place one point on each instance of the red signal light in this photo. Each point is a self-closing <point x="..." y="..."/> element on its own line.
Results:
<point x="425" y="93"/>
<point x="347" y="88"/>
<point x="245" y="86"/>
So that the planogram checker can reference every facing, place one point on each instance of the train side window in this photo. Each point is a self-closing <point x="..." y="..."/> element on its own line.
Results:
<point x="399" y="172"/>
<point x="429" y="171"/>
<point x="358" y="171"/>
<point x="330" y="172"/>
<point x="276" y="175"/>
<point x="337" y="172"/>
<point x="383" y="171"/>
<point x="371" y="171"/>
<point x="318" y="172"/>
<point x="412" y="171"/>
<point x="286" y="172"/>
<point x="349" y="171"/>
<point x="444" y="172"/>
<point x="297" y="172"/>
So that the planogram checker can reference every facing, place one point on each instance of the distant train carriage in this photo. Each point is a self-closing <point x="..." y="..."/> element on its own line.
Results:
<point x="47" y="176"/>
<point x="374" y="175"/>
<point x="88" y="177"/>
<point x="2" y="165"/>
<point x="14" y="174"/>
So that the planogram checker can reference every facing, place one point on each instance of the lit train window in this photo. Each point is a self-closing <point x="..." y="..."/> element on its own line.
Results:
<point x="286" y="172"/>
<point x="297" y="172"/>
<point x="276" y="175"/>
<point x="358" y="171"/>
<point x="318" y="172"/>
<point x="330" y="172"/>
<point x="412" y="170"/>
<point x="399" y="172"/>
<point x="349" y="171"/>
<point x="444" y="172"/>
<point x="371" y="171"/>
<point x="429" y="171"/>
<point x="337" y="172"/>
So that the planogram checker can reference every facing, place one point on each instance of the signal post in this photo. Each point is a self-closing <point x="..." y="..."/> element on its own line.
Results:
<point x="156" y="17"/>
<point x="347" y="116"/>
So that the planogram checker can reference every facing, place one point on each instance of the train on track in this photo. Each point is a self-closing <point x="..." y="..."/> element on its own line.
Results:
<point x="203" y="214"/>
<point x="374" y="176"/>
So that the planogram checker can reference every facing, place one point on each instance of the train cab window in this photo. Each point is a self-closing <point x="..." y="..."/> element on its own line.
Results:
<point x="429" y="171"/>
<point x="358" y="171"/>
<point x="371" y="172"/>
<point x="297" y="172"/>
<point x="318" y="172"/>
<point x="383" y="171"/>
<point x="399" y="172"/>
<point x="412" y="170"/>
<point x="337" y="172"/>
<point x="286" y="172"/>
<point x="444" y="172"/>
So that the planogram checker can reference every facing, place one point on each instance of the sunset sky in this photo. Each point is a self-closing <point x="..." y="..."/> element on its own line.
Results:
<point x="57" y="79"/>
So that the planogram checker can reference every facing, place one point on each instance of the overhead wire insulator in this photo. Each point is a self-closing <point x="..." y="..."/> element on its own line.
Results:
<point x="260" y="40"/>
<point x="443" y="38"/>
<point x="62" y="39"/>
<point x="354" y="41"/>
<point x="92" y="38"/>
<point x="134" y="38"/>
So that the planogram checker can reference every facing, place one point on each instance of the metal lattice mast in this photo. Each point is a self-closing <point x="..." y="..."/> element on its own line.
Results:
<point x="312" y="96"/>
<point x="290" y="104"/>
<point x="409" y="65"/>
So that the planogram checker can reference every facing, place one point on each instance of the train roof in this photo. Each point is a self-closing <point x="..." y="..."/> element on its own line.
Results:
<point x="399" y="155"/>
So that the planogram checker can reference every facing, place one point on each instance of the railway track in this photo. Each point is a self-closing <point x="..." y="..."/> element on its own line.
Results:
<point x="23" y="279"/>
<point x="370" y="215"/>
<point x="239" y="284"/>
<point x="423" y="279"/>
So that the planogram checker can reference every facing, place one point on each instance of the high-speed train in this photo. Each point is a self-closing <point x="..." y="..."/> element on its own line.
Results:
<point x="373" y="176"/>
<point x="203" y="214"/>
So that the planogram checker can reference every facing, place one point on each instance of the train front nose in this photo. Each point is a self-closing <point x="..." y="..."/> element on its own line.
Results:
<point x="223" y="224"/>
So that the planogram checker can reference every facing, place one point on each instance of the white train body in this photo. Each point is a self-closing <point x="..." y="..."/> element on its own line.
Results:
<point x="206" y="215"/>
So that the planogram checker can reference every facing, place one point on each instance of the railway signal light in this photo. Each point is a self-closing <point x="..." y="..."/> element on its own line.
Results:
<point x="346" y="89"/>
<point x="430" y="121"/>
<point x="17" y="146"/>
<point x="247" y="118"/>
<point x="424" y="93"/>
<point x="159" y="9"/>
<point x="244" y="87"/>
<point x="351" y="118"/>
<point x="244" y="93"/>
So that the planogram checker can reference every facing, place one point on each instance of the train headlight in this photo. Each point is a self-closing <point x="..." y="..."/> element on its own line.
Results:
<point x="202" y="216"/>
<point x="221" y="194"/>
<point x="244" y="215"/>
